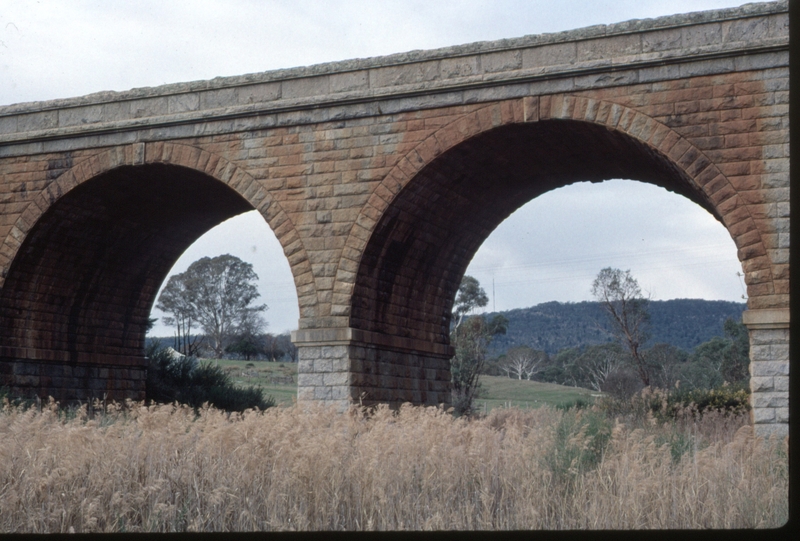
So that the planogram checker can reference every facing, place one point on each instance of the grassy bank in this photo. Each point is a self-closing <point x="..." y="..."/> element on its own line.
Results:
<point x="503" y="392"/>
<point x="165" y="469"/>
<point x="280" y="381"/>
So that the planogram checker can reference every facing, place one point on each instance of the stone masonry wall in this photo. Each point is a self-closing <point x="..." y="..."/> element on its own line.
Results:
<point x="350" y="366"/>
<point x="769" y="375"/>
<point x="769" y="370"/>
<point x="64" y="382"/>
<point x="325" y="153"/>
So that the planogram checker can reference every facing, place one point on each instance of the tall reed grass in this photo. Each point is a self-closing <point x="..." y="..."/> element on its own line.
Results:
<point x="165" y="468"/>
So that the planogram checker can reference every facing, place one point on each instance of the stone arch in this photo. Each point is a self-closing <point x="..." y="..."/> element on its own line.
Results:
<point x="55" y="307"/>
<point x="387" y="235"/>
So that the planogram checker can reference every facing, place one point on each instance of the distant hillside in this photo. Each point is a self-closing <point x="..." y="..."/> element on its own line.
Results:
<point x="552" y="326"/>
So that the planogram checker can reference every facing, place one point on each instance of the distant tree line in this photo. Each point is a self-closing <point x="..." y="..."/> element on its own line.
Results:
<point x="261" y="347"/>
<point x="553" y="326"/>
<point x="628" y="363"/>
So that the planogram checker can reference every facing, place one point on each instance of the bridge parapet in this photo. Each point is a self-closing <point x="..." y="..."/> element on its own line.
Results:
<point x="752" y="36"/>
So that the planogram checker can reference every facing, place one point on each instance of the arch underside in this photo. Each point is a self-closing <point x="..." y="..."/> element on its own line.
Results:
<point x="85" y="278"/>
<point x="424" y="241"/>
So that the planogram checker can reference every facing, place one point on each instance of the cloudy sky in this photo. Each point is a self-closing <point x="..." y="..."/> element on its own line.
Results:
<point x="62" y="48"/>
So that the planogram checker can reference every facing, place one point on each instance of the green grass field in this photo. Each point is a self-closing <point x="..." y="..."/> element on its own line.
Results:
<point x="274" y="378"/>
<point x="499" y="391"/>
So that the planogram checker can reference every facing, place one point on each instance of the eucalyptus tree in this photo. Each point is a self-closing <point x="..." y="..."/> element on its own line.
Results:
<point x="217" y="294"/>
<point x="470" y="338"/>
<point x="627" y="310"/>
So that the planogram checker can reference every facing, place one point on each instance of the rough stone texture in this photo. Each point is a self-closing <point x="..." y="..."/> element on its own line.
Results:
<point x="70" y="382"/>
<point x="769" y="373"/>
<point x="349" y="366"/>
<point x="381" y="178"/>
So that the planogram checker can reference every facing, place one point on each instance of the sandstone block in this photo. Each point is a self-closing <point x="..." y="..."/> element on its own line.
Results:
<point x="763" y="415"/>
<point x="37" y="121"/>
<point x="459" y="67"/>
<point x="759" y="337"/>
<point x="323" y="365"/>
<point x="501" y="61"/>
<point x="770" y="400"/>
<point x="183" y="102"/>
<point x="309" y="380"/>
<point x="762" y="384"/>
<point x="769" y="368"/>
<point x="305" y="365"/>
<point x="602" y="49"/>
<point x="305" y="87"/>
<point x="336" y="378"/>
<point x="80" y="115"/>
<point x="781" y="383"/>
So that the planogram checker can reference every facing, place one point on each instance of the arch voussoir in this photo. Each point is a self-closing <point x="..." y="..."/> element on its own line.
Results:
<point x="701" y="175"/>
<point x="626" y="120"/>
<point x="579" y="108"/>
<point x="486" y="118"/>
<point x="637" y="126"/>
<point x="700" y="164"/>
<point x="177" y="154"/>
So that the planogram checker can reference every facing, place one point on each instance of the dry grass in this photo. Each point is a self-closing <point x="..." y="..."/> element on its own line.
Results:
<point x="164" y="469"/>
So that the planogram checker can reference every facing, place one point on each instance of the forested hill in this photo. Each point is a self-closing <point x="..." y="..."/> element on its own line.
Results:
<point x="552" y="326"/>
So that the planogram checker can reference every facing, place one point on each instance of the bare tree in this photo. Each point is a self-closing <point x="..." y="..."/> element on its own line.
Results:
<point x="523" y="362"/>
<point x="173" y="300"/>
<point x="626" y="307"/>
<point x="600" y="368"/>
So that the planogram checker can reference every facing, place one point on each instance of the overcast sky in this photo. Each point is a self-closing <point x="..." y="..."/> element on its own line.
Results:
<point x="551" y="249"/>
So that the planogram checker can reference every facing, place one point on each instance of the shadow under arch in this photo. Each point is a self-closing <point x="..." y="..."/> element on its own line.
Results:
<point x="445" y="198"/>
<point x="95" y="247"/>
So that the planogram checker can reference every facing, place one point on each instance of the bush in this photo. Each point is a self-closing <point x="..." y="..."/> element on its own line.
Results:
<point x="668" y="405"/>
<point x="725" y="398"/>
<point x="185" y="380"/>
<point x="622" y="384"/>
<point x="578" y="404"/>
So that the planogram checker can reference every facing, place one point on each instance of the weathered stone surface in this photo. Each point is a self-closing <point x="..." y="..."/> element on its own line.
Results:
<point x="760" y="384"/>
<point x="769" y="368"/>
<point x="770" y="400"/>
<point x="763" y="415"/>
<point x="381" y="177"/>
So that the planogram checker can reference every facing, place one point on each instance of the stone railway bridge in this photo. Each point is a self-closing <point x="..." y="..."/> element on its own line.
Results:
<point x="381" y="178"/>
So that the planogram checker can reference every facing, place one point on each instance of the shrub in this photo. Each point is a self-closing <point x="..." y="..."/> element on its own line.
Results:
<point x="578" y="404"/>
<point x="666" y="405"/>
<point x="725" y="398"/>
<point x="679" y="442"/>
<point x="622" y="384"/>
<point x="185" y="380"/>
